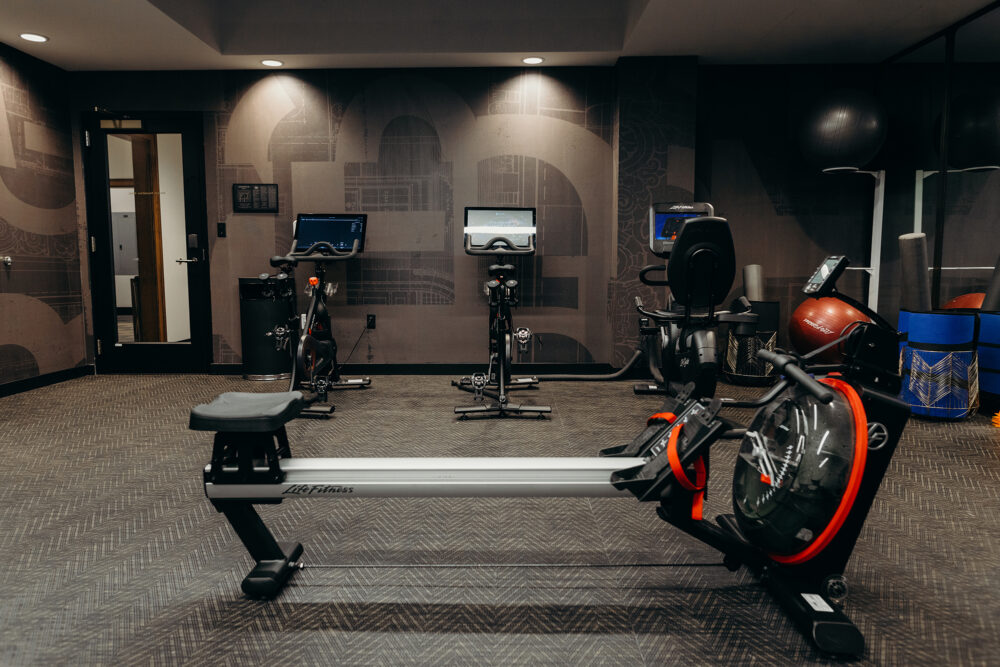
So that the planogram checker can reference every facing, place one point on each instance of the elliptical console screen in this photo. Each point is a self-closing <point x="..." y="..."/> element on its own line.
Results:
<point x="484" y="224"/>
<point x="823" y="280"/>
<point x="666" y="221"/>
<point x="338" y="229"/>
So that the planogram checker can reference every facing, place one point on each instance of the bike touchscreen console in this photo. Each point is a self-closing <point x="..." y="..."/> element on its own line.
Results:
<point x="666" y="221"/>
<point x="340" y="230"/>
<point x="484" y="224"/>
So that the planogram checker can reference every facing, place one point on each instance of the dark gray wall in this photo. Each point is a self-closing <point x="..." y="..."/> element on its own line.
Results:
<point x="591" y="148"/>
<point x="412" y="149"/>
<point x="42" y="326"/>
<point x="786" y="215"/>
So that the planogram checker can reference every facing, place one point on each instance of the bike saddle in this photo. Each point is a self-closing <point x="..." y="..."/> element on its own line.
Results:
<point x="496" y="270"/>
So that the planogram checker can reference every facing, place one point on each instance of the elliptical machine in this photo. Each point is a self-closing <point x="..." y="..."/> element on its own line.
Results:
<point x="501" y="232"/>
<point x="321" y="239"/>
<point x="680" y="343"/>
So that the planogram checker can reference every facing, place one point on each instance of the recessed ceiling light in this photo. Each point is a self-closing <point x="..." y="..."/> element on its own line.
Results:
<point x="533" y="60"/>
<point x="271" y="63"/>
<point x="32" y="37"/>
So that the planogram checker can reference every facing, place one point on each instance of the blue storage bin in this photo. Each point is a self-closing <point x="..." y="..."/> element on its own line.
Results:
<point x="939" y="364"/>
<point x="989" y="353"/>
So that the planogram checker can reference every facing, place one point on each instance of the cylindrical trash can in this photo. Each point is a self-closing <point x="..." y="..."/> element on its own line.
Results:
<point x="267" y="326"/>
<point x="741" y="365"/>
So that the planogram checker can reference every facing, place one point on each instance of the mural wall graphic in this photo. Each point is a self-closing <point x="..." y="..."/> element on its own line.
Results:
<point x="41" y="304"/>
<point x="412" y="149"/>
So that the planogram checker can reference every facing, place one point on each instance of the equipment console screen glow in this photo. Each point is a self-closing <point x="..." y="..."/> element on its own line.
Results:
<point x="666" y="221"/>
<point x="338" y="229"/>
<point x="668" y="225"/>
<point x="484" y="224"/>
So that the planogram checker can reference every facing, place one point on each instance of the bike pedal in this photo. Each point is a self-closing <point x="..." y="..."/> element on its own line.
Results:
<point x="478" y="385"/>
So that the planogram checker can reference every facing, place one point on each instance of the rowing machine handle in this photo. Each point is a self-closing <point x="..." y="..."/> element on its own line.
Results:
<point x="786" y="365"/>
<point x="645" y="280"/>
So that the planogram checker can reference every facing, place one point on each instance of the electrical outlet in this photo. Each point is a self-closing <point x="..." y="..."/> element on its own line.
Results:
<point x="371" y="321"/>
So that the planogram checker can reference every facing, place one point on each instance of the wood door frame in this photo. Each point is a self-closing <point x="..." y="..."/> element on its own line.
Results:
<point x="146" y="191"/>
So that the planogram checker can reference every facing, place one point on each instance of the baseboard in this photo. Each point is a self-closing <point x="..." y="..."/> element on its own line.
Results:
<point x="225" y="369"/>
<point x="468" y="369"/>
<point x="445" y="369"/>
<point x="18" y="386"/>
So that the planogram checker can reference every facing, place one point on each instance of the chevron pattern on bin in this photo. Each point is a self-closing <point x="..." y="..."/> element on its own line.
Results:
<point x="113" y="555"/>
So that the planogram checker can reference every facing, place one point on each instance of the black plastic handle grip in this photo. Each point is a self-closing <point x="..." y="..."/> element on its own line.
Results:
<point x="320" y="252"/>
<point x="786" y="365"/>
<point x="645" y="280"/>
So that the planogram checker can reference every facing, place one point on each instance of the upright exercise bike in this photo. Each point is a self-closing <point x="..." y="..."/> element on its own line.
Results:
<point x="680" y="343"/>
<point x="321" y="239"/>
<point x="502" y="233"/>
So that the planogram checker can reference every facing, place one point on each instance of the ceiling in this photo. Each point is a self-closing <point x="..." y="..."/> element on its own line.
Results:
<point x="88" y="35"/>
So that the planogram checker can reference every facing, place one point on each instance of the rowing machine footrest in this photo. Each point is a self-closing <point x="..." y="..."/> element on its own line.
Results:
<point x="268" y="577"/>
<point x="654" y="481"/>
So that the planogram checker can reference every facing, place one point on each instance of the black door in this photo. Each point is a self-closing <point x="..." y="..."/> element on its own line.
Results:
<point x="148" y="242"/>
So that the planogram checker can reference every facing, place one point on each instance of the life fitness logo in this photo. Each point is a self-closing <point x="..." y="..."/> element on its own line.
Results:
<point x="818" y="327"/>
<point x="681" y="207"/>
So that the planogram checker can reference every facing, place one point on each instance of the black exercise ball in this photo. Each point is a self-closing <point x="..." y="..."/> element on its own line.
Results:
<point x="974" y="122"/>
<point x="843" y="129"/>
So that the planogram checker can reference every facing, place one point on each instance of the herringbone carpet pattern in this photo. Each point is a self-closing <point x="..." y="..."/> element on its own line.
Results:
<point x="110" y="553"/>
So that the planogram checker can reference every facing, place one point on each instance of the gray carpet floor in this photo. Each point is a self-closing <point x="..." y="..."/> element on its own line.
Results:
<point x="111" y="554"/>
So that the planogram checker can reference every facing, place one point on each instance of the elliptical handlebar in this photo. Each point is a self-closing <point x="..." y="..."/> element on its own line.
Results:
<point x="652" y="314"/>
<point x="651" y="281"/>
<point x="491" y="247"/>
<point x="321" y="252"/>
<point x="788" y="365"/>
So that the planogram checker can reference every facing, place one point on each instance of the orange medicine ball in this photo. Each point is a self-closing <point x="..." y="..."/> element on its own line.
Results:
<point x="973" y="300"/>
<point x="817" y="322"/>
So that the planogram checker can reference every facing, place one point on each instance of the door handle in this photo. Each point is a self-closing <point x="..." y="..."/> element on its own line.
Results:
<point x="181" y="260"/>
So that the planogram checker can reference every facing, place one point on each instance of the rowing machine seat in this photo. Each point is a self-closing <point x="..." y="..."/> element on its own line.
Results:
<point x="247" y="413"/>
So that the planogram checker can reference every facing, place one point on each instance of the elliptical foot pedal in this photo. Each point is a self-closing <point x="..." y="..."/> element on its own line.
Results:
<point x="268" y="577"/>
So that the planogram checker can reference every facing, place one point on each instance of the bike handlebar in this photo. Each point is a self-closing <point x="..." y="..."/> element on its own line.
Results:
<point x="789" y="367"/>
<point x="320" y="252"/>
<point x="491" y="248"/>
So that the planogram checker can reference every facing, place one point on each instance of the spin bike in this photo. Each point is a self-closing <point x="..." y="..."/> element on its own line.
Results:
<point x="680" y="343"/>
<point x="321" y="239"/>
<point x="501" y="289"/>
<point x="809" y="466"/>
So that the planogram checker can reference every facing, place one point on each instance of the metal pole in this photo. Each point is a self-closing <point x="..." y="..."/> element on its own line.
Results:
<point x="942" y="198"/>
<point x="876" y="252"/>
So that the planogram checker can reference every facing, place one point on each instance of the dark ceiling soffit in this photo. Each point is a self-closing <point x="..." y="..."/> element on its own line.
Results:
<point x="228" y="27"/>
